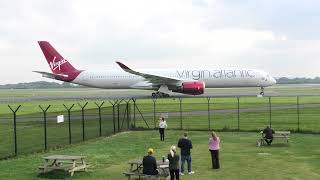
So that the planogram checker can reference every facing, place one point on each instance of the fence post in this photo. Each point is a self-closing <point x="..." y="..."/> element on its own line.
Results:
<point x="180" y="102"/>
<point x="82" y="115"/>
<point x="154" y="112"/>
<point x="14" y="111"/>
<point x="128" y="123"/>
<point x="208" y="99"/>
<point x="114" y="114"/>
<point x="270" y="114"/>
<point x="114" y="119"/>
<point x="45" y="124"/>
<point x="118" y="109"/>
<point x="134" y="112"/>
<point x="99" y="108"/>
<point x="298" y="113"/>
<point x="238" y="100"/>
<point x="69" y="119"/>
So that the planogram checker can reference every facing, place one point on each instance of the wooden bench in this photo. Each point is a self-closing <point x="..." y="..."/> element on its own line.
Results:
<point x="136" y="168"/>
<point x="129" y="174"/>
<point x="66" y="163"/>
<point x="277" y="135"/>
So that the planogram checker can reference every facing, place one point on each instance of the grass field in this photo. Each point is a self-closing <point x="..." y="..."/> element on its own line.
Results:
<point x="109" y="155"/>
<point x="223" y="115"/>
<point x="170" y="104"/>
<point x="240" y="158"/>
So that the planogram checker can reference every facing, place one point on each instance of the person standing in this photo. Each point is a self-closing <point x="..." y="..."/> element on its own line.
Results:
<point x="268" y="135"/>
<point x="162" y="126"/>
<point x="173" y="163"/>
<point x="185" y="146"/>
<point x="150" y="165"/>
<point x="214" y="146"/>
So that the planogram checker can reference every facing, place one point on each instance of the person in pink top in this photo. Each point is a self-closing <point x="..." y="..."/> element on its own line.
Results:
<point x="214" y="146"/>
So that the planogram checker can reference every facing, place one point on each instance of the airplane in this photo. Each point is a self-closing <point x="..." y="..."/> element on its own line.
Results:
<point x="162" y="81"/>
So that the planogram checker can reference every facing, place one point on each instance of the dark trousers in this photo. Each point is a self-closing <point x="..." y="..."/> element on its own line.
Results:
<point x="161" y="131"/>
<point x="215" y="159"/>
<point x="174" y="172"/>
<point x="268" y="141"/>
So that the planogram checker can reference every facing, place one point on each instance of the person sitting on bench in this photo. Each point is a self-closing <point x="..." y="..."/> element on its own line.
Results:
<point x="268" y="135"/>
<point x="150" y="165"/>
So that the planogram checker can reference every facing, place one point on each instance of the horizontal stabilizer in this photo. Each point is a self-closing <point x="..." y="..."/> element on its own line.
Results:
<point x="51" y="75"/>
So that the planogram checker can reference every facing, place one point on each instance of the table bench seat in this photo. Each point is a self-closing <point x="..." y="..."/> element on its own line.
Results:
<point x="129" y="174"/>
<point x="66" y="163"/>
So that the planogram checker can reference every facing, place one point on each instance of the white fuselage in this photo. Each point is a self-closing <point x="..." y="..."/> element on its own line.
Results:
<point x="216" y="78"/>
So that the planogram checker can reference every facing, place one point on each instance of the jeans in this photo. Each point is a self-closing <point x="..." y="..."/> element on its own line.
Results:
<point x="183" y="159"/>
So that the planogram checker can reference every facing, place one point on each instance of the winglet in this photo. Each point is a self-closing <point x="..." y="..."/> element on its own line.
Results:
<point x="124" y="67"/>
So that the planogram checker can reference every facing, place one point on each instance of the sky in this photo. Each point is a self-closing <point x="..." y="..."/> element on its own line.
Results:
<point x="281" y="37"/>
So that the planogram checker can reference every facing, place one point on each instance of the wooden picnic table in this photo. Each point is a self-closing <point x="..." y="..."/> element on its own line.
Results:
<point x="64" y="162"/>
<point x="136" y="168"/>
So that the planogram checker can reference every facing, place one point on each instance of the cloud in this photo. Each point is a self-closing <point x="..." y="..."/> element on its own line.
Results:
<point x="148" y="33"/>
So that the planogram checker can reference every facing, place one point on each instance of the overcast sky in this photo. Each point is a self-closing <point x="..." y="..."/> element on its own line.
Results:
<point x="279" y="36"/>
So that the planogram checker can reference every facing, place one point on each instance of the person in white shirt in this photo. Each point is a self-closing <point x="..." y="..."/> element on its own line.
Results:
<point x="162" y="126"/>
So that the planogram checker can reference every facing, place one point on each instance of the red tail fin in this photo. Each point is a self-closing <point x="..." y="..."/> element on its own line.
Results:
<point x="57" y="63"/>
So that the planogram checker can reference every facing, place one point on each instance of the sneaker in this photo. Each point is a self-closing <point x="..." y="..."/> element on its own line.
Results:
<point x="181" y="174"/>
<point x="191" y="172"/>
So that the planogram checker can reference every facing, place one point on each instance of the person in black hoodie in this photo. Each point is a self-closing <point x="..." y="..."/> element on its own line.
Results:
<point x="185" y="146"/>
<point x="150" y="164"/>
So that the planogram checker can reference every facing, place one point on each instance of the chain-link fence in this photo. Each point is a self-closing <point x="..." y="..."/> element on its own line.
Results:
<point x="297" y="114"/>
<point x="33" y="132"/>
<point x="24" y="130"/>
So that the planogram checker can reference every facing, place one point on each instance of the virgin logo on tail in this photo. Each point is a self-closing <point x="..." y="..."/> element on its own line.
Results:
<point x="57" y="64"/>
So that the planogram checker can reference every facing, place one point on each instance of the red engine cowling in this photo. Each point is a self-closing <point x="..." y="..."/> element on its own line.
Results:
<point x="193" y="87"/>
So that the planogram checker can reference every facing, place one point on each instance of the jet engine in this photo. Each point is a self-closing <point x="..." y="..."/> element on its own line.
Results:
<point x="191" y="87"/>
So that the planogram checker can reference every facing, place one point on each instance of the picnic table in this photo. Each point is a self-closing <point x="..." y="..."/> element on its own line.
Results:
<point x="277" y="135"/>
<point x="64" y="162"/>
<point x="136" y="169"/>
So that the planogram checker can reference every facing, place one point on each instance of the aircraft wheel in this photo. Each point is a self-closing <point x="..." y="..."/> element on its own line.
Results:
<point x="154" y="95"/>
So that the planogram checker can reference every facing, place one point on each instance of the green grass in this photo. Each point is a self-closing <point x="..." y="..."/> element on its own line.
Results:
<point x="240" y="158"/>
<point x="146" y="105"/>
<point x="30" y="129"/>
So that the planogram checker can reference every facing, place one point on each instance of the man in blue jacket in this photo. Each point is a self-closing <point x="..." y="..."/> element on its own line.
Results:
<point x="185" y="146"/>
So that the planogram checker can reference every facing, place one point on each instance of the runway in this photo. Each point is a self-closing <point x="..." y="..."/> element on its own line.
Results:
<point x="76" y="94"/>
<point x="128" y="96"/>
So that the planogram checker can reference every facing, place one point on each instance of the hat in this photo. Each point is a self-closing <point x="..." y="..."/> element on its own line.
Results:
<point x="150" y="150"/>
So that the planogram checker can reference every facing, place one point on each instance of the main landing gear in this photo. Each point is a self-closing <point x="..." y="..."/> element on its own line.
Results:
<point x="159" y="95"/>
<point x="262" y="91"/>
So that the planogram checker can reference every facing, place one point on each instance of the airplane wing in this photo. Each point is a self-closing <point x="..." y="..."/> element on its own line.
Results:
<point x="51" y="75"/>
<point x="156" y="79"/>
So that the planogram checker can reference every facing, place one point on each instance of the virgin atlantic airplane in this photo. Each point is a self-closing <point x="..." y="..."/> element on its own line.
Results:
<point x="185" y="81"/>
